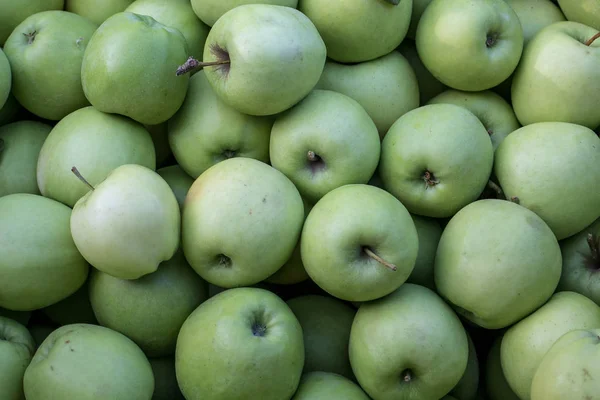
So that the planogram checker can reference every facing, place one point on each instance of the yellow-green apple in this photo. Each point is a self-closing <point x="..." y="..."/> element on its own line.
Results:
<point x="178" y="180"/>
<point x="12" y="13"/>
<point x="584" y="11"/>
<point x="5" y="79"/>
<point x="320" y="385"/>
<point x="96" y="11"/>
<point x="535" y="15"/>
<point x="429" y="232"/>
<point x="16" y="350"/>
<point x="210" y="11"/>
<point x="496" y="386"/>
<point x="429" y="86"/>
<point x="165" y="379"/>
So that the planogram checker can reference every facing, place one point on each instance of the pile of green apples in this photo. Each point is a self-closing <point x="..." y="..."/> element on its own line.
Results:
<point x="299" y="199"/>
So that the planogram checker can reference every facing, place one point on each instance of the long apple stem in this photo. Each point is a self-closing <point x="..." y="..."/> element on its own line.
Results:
<point x="81" y="178"/>
<point x="492" y="185"/>
<point x="380" y="260"/>
<point x="191" y="64"/>
<point x="592" y="39"/>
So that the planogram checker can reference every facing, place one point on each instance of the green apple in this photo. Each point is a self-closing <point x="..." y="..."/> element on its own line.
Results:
<point x="525" y="343"/>
<point x="39" y="263"/>
<point x="12" y="13"/>
<point x="357" y="30"/>
<point x="12" y="111"/>
<point x="177" y="14"/>
<point x="88" y="362"/>
<point x="165" y="379"/>
<point x="535" y="15"/>
<point x="584" y="11"/>
<point x="16" y="350"/>
<point x="470" y="45"/>
<point x="568" y="370"/>
<point x="210" y="11"/>
<point x="326" y="323"/>
<point x="429" y="86"/>
<point x="495" y="382"/>
<point x="149" y="310"/>
<point x="96" y="11"/>
<point x="386" y="87"/>
<point x="240" y="344"/>
<point x="359" y="243"/>
<point x="75" y="309"/>
<point x="141" y="85"/>
<point x="505" y="254"/>
<point x="558" y="78"/>
<point x="419" y="7"/>
<point x="5" y="79"/>
<point x="432" y="172"/>
<point x="552" y="168"/>
<point x="255" y="70"/>
<point x="496" y="115"/>
<point x="94" y="142"/>
<point x="581" y="263"/>
<point x="391" y="349"/>
<point x="21" y="143"/>
<point x="466" y="388"/>
<point x="128" y="224"/>
<point x="206" y="130"/>
<point x="429" y="232"/>
<point x="21" y="317"/>
<point x="160" y="139"/>
<point x="319" y="385"/>
<point x="326" y="141"/>
<point x="241" y="221"/>
<point x="178" y="180"/>
<point x="45" y="53"/>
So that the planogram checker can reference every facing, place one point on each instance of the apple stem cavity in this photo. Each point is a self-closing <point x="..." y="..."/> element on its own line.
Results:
<point x="592" y="39"/>
<point x="380" y="260"/>
<point x="592" y="261"/>
<point x="430" y="179"/>
<point x="407" y="376"/>
<point x="491" y="39"/>
<point x="30" y="36"/>
<point x="75" y="171"/>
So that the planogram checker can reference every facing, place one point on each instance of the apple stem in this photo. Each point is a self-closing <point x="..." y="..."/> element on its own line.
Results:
<point x="515" y="200"/>
<point x="81" y="178"/>
<point x="30" y="36"/>
<point x="380" y="260"/>
<point x="430" y="180"/>
<point x="312" y="156"/>
<point x="593" y="260"/>
<point x="592" y="39"/>
<point x="191" y="64"/>
<point x="492" y="185"/>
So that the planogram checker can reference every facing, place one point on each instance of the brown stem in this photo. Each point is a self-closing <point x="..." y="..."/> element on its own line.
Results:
<point x="430" y="179"/>
<point x="515" y="200"/>
<point x="380" y="260"/>
<point x="312" y="156"/>
<point x="192" y="64"/>
<point x="81" y="178"/>
<point x="591" y="40"/>
<point x="492" y="185"/>
<point x="30" y="36"/>
<point x="592" y="260"/>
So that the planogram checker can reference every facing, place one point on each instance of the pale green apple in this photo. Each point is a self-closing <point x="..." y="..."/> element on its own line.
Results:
<point x="429" y="232"/>
<point x="75" y="309"/>
<point x="436" y="159"/>
<point x="429" y="86"/>
<point x="467" y="387"/>
<point x="505" y="255"/>
<point x="558" y="78"/>
<point x="326" y="323"/>
<point x="386" y="87"/>
<point x="525" y="343"/>
<point x="178" y="180"/>
<point x="141" y="85"/>
<point x="21" y="143"/>
<point x="210" y="11"/>
<point x="160" y="139"/>
<point x="419" y="7"/>
<point x="45" y="53"/>
<point x="16" y="350"/>
<point x="496" y="115"/>
<point x="128" y="224"/>
<point x="96" y="11"/>
<point x="359" y="243"/>
<point x="12" y="13"/>
<point x="165" y="379"/>
<point x="358" y="30"/>
<point x="243" y="343"/>
<point x="177" y="14"/>
<point x="149" y="310"/>
<point x="569" y="370"/>
<point x="319" y="385"/>
<point x="391" y="349"/>
<point x="260" y="74"/>
<point x="496" y="386"/>
<point x="241" y="221"/>
<point x="326" y="141"/>
<point x="535" y="15"/>
<point x="584" y="11"/>
<point x="552" y="168"/>
<point x="39" y="263"/>
<point x="88" y="362"/>
<point x="5" y="79"/>
<point x="470" y="45"/>
<point x="206" y="130"/>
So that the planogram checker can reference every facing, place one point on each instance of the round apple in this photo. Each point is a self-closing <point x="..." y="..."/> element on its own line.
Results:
<point x="165" y="379"/>
<point x="210" y="11"/>
<point x="535" y="15"/>
<point x="96" y="11"/>
<point x="5" y="79"/>
<point x="327" y="385"/>
<point x="16" y="350"/>
<point x="178" y="180"/>
<point x="495" y="382"/>
<point x="584" y="11"/>
<point x="12" y="13"/>
<point x="12" y="111"/>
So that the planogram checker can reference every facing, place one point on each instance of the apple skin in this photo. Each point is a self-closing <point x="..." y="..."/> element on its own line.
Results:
<point x="178" y="180"/>
<point x="30" y="280"/>
<point x="12" y="111"/>
<point x="241" y="343"/>
<point x="233" y="215"/>
<point x="339" y="228"/>
<point x="466" y="388"/>
<point x="209" y="11"/>
<point x="5" y="79"/>
<point x="584" y="11"/>
<point x="264" y="77"/>
<point x="46" y="68"/>
<point x="22" y="141"/>
<point x="525" y="343"/>
<point x="326" y="323"/>
<point x="419" y="144"/>
<point x="390" y="341"/>
<point x="429" y="232"/>
<point x="535" y="15"/>
<point x="16" y="350"/>
<point x="342" y="136"/>
<point x="558" y="377"/>
<point x="429" y="86"/>
<point x="12" y="13"/>
<point x="356" y="31"/>
<point x="165" y="379"/>
<point x="87" y="362"/>
<point x="75" y="309"/>
<point x="319" y="385"/>
<point x="205" y="130"/>
<point x="505" y="254"/>
<point x="558" y="79"/>
<point x="551" y="167"/>
<point x="95" y="11"/>
<point x="419" y="7"/>
<point x="452" y="40"/>
<point x="143" y="85"/>
<point x="95" y="143"/>
<point x="496" y="386"/>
